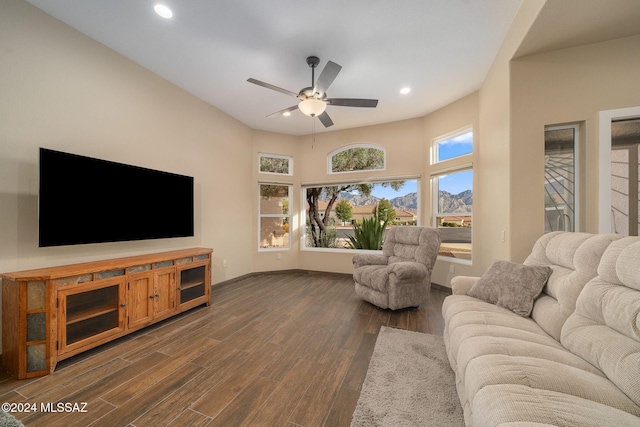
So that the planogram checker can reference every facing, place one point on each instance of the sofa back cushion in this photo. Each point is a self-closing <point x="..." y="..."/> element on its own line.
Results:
<point x="574" y="259"/>
<point x="418" y="244"/>
<point x="605" y="327"/>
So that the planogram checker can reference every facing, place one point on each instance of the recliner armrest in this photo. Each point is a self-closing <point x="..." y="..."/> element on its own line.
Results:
<point x="360" y="260"/>
<point x="407" y="269"/>
<point x="460" y="285"/>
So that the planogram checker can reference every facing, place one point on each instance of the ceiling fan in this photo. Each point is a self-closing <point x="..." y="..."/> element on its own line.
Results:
<point x="313" y="99"/>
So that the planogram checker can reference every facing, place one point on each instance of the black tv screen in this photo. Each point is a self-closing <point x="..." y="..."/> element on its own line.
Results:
<point x="86" y="200"/>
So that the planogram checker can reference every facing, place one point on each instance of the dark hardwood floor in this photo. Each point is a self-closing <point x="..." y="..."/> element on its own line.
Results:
<point x="286" y="349"/>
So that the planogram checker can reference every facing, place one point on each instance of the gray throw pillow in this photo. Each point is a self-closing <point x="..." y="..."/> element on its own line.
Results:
<point x="512" y="286"/>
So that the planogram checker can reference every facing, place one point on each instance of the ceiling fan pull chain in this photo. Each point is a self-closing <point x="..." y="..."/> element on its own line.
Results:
<point x="313" y="132"/>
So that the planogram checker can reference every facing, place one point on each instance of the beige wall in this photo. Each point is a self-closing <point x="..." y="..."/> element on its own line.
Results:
<point x="491" y="208"/>
<point x="564" y="86"/>
<point x="64" y="91"/>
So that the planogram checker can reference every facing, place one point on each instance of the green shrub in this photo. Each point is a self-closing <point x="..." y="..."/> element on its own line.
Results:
<point x="369" y="234"/>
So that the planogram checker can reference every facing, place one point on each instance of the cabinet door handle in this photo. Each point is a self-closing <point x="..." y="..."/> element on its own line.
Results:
<point x="123" y="305"/>
<point x="157" y="295"/>
<point x="150" y="296"/>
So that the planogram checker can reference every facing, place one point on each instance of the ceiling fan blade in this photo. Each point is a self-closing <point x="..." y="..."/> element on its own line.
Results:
<point x="325" y="119"/>
<point x="272" y="87"/>
<point x="281" y="112"/>
<point x="352" y="102"/>
<point x="327" y="76"/>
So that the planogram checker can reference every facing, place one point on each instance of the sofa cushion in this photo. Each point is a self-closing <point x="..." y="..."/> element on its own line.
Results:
<point x="476" y="347"/>
<point x="467" y="317"/>
<point x="518" y="405"/>
<point x="574" y="259"/>
<point x="544" y="374"/>
<point x="510" y="285"/>
<point x="605" y="327"/>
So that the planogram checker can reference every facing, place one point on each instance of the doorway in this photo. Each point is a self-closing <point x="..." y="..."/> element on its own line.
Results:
<point x="618" y="194"/>
<point x="625" y="161"/>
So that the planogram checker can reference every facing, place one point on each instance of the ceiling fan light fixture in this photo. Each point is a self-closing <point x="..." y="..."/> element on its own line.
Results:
<point x="312" y="107"/>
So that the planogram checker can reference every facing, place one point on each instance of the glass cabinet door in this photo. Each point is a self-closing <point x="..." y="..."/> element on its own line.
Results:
<point x="193" y="284"/>
<point x="90" y="311"/>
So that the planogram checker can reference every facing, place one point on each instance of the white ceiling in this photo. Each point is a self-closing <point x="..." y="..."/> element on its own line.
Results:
<point x="442" y="49"/>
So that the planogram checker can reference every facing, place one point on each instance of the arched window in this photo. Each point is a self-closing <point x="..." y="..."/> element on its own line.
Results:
<point x="357" y="157"/>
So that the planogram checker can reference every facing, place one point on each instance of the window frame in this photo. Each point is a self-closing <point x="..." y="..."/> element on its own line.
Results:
<point x="304" y="216"/>
<point x="352" y="146"/>
<point x="449" y="166"/>
<point x="288" y="216"/>
<point x="275" y="156"/>
<point x="446" y="137"/>
<point x="577" y="172"/>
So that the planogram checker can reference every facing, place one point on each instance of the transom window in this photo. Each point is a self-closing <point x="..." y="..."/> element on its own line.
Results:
<point x="452" y="145"/>
<point x="276" y="164"/>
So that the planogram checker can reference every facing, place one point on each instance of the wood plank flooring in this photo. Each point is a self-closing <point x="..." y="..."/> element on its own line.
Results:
<point x="280" y="349"/>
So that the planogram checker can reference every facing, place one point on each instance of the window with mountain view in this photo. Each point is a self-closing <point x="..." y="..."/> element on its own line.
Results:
<point x="453" y="194"/>
<point x="452" y="190"/>
<point x="346" y="216"/>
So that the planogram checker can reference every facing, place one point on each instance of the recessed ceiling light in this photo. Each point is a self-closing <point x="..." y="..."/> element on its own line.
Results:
<point x="163" y="11"/>
<point x="405" y="90"/>
<point x="286" y="113"/>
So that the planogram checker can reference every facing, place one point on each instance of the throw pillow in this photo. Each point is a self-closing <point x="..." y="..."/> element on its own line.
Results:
<point x="512" y="286"/>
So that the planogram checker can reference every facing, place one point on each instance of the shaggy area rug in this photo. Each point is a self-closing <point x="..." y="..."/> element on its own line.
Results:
<point x="7" y="420"/>
<point x="409" y="383"/>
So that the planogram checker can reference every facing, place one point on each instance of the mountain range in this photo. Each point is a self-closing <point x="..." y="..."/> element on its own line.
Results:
<point x="461" y="202"/>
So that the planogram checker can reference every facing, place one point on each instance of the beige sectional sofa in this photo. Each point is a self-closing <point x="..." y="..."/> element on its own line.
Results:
<point x="575" y="361"/>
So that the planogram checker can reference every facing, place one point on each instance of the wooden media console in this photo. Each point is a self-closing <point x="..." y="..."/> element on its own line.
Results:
<point x="51" y="314"/>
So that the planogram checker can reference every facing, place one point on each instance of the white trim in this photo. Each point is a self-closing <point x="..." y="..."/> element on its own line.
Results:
<point x="454" y="260"/>
<point x="351" y="146"/>
<point x="459" y="168"/>
<point x="604" y="167"/>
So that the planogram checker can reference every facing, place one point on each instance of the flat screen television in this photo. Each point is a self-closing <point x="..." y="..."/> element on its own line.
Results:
<point x="86" y="200"/>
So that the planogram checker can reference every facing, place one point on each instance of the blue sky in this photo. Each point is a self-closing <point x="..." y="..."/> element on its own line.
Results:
<point x="389" y="193"/>
<point x="457" y="182"/>
<point x="455" y="147"/>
